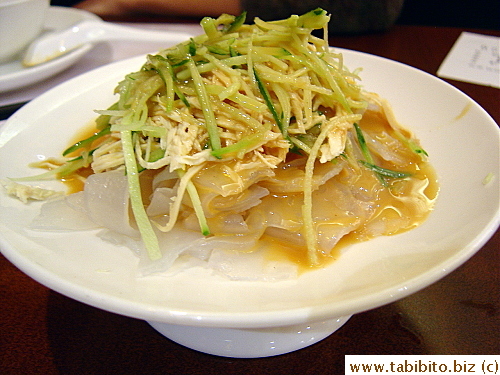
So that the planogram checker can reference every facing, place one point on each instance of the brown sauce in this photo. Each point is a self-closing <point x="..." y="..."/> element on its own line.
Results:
<point x="277" y="250"/>
<point x="76" y="182"/>
<point x="405" y="202"/>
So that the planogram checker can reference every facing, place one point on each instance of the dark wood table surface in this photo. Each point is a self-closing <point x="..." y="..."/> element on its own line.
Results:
<point x="43" y="332"/>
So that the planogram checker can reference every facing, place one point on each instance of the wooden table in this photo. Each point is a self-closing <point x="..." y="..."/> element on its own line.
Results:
<point x="43" y="332"/>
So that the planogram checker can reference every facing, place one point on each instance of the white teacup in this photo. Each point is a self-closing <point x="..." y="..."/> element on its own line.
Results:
<point x="21" y="21"/>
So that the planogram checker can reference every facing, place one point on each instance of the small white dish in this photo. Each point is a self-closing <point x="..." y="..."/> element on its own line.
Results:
<point x="13" y="75"/>
<point x="462" y="141"/>
<point x="21" y="21"/>
<point x="54" y="45"/>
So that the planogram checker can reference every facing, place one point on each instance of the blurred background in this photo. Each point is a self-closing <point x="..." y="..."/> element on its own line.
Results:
<point x="479" y="14"/>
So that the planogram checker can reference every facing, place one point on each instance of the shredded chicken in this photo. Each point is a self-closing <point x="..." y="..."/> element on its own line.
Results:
<point x="27" y="192"/>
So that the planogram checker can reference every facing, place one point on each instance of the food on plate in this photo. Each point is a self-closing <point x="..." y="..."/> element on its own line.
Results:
<point x="246" y="137"/>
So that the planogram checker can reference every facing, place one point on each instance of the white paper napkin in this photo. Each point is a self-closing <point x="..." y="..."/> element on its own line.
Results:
<point x="473" y="58"/>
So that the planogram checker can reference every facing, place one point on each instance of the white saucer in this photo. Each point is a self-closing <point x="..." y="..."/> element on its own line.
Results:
<point x="13" y="75"/>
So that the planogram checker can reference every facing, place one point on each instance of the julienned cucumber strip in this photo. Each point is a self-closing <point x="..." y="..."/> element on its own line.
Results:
<point x="385" y="172"/>
<point x="267" y="98"/>
<point x="164" y="68"/>
<point x="241" y="146"/>
<point x="87" y="141"/>
<point x="145" y="228"/>
<point x="362" y="144"/>
<point x="197" y="206"/>
<point x="381" y="172"/>
<point x="60" y="172"/>
<point x="236" y="24"/>
<point x="208" y="113"/>
<point x="366" y="152"/>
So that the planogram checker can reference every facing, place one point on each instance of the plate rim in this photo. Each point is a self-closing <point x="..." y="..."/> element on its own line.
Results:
<point x="29" y="76"/>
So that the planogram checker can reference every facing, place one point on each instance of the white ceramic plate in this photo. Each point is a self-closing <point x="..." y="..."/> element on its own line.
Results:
<point x="460" y="137"/>
<point x="14" y="75"/>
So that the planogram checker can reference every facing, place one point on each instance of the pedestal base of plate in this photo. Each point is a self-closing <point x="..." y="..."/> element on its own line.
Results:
<point x="250" y="343"/>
